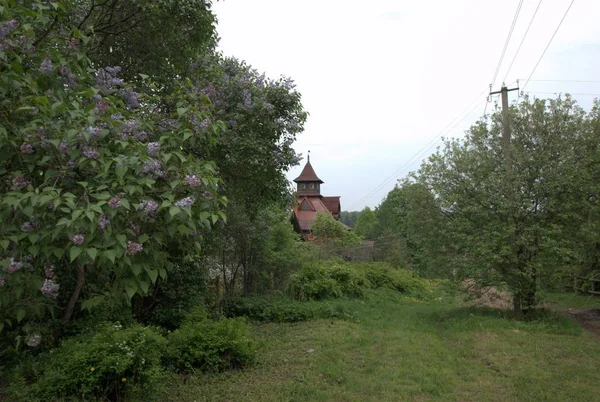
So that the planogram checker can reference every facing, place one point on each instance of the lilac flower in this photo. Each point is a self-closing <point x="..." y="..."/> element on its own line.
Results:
<point x="101" y="106"/>
<point x="130" y="97"/>
<point x="7" y="27"/>
<point x="13" y="266"/>
<point x="63" y="148"/>
<point x="208" y="194"/>
<point x="90" y="153"/>
<point x="114" y="202"/>
<point x="49" y="271"/>
<point x="136" y="229"/>
<point x="106" y="78"/>
<point x="169" y="124"/>
<point x="78" y="239"/>
<point x="153" y="169"/>
<point x="148" y="207"/>
<point x="71" y="164"/>
<point x="46" y="67"/>
<point x="28" y="227"/>
<point x="34" y="340"/>
<point x="103" y="222"/>
<point x="133" y="248"/>
<point x="27" y="148"/>
<point x="2" y="281"/>
<point x="50" y="288"/>
<point x="185" y="202"/>
<point x="192" y="180"/>
<point x="20" y="182"/>
<point x="95" y="131"/>
<point x="68" y="77"/>
<point x="153" y="148"/>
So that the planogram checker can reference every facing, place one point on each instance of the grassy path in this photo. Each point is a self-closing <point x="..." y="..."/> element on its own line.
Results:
<point x="404" y="350"/>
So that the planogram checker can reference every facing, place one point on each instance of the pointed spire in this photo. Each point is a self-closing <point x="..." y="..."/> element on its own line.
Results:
<point x="308" y="173"/>
<point x="309" y="156"/>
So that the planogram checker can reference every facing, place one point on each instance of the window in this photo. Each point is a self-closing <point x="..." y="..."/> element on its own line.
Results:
<point x="302" y="186"/>
<point x="311" y="185"/>
<point x="304" y="206"/>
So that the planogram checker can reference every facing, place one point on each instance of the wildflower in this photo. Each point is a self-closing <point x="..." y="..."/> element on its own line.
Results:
<point x="34" y="340"/>
<point x="50" y="288"/>
<point x="133" y="248"/>
<point x="71" y="164"/>
<point x="95" y="131"/>
<point x="28" y="227"/>
<point x="63" y="148"/>
<point x="123" y="379"/>
<point x="148" y="207"/>
<point x="13" y="266"/>
<point x="193" y="180"/>
<point x="92" y="369"/>
<point x="26" y="148"/>
<point x="153" y="169"/>
<point x="153" y="148"/>
<point x="114" y="202"/>
<point x="46" y="67"/>
<point x="78" y="239"/>
<point x="103" y="222"/>
<point x="185" y="202"/>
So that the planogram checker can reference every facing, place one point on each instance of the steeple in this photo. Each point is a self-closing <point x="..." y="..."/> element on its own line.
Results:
<point x="308" y="181"/>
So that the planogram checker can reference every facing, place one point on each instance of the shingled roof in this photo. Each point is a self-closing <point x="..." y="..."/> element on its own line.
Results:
<point x="308" y="174"/>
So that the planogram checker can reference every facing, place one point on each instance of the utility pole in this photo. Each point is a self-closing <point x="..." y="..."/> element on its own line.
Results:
<point x="513" y="264"/>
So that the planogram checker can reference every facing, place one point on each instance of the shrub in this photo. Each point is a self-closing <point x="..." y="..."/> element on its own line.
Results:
<point x="327" y="281"/>
<point x="210" y="346"/>
<point x="384" y="275"/>
<point x="111" y="363"/>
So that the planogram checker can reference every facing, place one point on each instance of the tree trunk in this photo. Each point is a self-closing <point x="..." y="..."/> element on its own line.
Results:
<point x="68" y="313"/>
<point x="517" y="307"/>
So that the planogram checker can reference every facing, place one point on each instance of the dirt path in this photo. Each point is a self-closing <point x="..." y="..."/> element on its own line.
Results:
<point x="589" y="319"/>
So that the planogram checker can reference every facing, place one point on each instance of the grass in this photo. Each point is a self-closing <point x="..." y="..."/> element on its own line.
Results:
<point x="403" y="349"/>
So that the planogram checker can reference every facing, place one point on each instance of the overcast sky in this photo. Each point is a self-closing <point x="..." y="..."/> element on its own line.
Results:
<point x="382" y="79"/>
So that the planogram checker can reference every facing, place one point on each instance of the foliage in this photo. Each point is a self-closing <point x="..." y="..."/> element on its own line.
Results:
<point x="328" y="280"/>
<point x="383" y="275"/>
<point x="508" y="226"/>
<point x="365" y="224"/>
<point x="210" y="346"/>
<point x="349" y="218"/>
<point x="263" y="309"/>
<point x="111" y="363"/>
<point x="96" y="180"/>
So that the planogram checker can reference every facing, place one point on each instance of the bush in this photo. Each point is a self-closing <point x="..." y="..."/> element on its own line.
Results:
<point x="262" y="309"/>
<point x="111" y="363"/>
<point x="210" y="346"/>
<point x="327" y="281"/>
<point x="383" y="275"/>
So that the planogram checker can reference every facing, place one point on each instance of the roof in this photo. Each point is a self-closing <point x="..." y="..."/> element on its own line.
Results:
<point x="308" y="174"/>
<point x="332" y="204"/>
<point x="305" y="218"/>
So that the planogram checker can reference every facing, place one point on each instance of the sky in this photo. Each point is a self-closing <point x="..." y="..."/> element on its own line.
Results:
<point x="384" y="80"/>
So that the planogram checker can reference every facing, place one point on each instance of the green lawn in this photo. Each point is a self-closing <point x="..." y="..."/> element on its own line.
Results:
<point x="399" y="349"/>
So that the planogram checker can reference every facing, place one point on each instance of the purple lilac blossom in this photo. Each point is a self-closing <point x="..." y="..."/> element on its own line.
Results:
<point x="130" y="97"/>
<point x="68" y="77"/>
<point x="192" y="180"/>
<point x="106" y="78"/>
<point x="153" y="169"/>
<point x="20" y="182"/>
<point x="153" y="148"/>
<point x="71" y="164"/>
<point x="148" y="207"/>
<point x="49" y="271"/>
<point x="26" y="148"/>
<point x="133" y="248"/>
<point x="114" y="202"/>
<point x="185" y="202"/>
<point x="13" y="266"/>
<point x="90" y="153"/>
<point x="103" y="222"/>
<point x="78" y="239"/>
<point x="28" y="227"/>
<point x="50" y="288"/>
<point x="46" y="67"/>
<point x="63" y="148"/>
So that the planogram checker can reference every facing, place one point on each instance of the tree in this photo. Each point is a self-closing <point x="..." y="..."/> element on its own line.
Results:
<point x="508" y="228"/>
<point x="99" y="191"/>
<point x="365" y="224"/>
<point x="349" y="218"/>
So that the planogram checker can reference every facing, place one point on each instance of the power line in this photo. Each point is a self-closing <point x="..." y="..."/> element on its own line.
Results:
<point x="566" y="93"/>
<point x="523" y="40"/>
<point x="548" y="45"/>
<point x="580" y="81"/>
<point x="512" y="27"/>
<point x="426" y="148"/>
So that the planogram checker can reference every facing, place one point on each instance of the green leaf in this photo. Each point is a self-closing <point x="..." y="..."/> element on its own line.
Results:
<point x="125" y="203"/>
<point x="174" y="211"/>
<point x="136" y="269"/>
<point x="131" y="290"/>
<point x="144" y="286"/>
<point x="152" y="273"/>
<point x="143" y="238"/>
<point x="20" y="314"/>
<point x="4" y="244"/>
<point x="92" y="252"/>
<point x="34" y="249"/>
<point x="111" y="255"/>
<point x="75" y="252"/>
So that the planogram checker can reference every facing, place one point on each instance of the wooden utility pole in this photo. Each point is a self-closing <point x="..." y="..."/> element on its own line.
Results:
<point x="513" y="265"/>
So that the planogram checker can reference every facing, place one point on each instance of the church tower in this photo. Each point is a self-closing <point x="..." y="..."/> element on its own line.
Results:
<point x="308" y="184"/>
